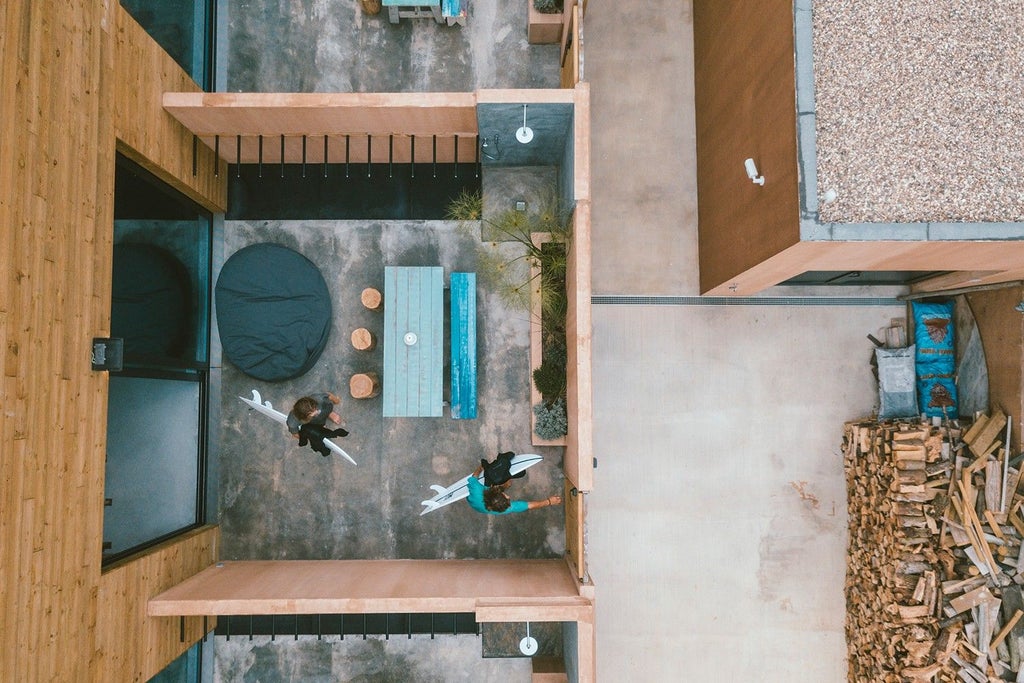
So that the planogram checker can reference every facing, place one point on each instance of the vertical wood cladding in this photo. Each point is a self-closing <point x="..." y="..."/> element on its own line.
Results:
<point x="745" y="108"/>
<point x="61" y="85"/>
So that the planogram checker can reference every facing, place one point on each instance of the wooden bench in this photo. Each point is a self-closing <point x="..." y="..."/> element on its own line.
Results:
<point x="463" y="345"/>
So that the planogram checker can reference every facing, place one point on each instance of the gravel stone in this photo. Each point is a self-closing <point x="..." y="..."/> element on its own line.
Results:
<point x="920" y="109"/>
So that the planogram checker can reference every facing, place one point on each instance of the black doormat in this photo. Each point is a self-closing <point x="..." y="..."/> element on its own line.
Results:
<point x="348" y="192"/>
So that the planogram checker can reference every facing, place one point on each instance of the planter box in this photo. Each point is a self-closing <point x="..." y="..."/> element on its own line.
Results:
<point x="543" y="28"/>
<point x="536" y="349"/>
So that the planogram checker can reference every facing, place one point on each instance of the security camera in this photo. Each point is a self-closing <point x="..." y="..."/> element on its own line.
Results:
<point x="752" y="172"/>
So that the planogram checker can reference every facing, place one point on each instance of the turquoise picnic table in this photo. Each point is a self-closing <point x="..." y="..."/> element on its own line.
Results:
<point x="413" y="341"/>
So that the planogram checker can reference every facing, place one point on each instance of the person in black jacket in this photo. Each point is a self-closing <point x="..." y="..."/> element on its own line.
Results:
<point x="314" y="435"/>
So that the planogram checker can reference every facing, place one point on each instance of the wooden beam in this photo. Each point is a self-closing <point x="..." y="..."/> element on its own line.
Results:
<point x="364" y="586"/>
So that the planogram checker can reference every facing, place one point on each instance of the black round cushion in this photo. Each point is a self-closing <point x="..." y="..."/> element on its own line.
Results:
<point x="273" y="312"/>
<point x="151" y="301"/>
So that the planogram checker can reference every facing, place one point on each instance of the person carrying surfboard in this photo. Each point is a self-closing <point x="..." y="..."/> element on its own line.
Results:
<point x="490" y="497"/>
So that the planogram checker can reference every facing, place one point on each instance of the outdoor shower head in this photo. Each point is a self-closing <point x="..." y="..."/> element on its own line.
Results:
<point x="524" y="134"/>
<point x="489" y="148"/>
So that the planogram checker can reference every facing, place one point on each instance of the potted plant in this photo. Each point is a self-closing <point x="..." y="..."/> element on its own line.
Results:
<point x="544" y="21"/>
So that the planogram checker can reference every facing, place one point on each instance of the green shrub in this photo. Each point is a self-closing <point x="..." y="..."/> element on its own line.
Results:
<point x="549" y="379"/>
<point x="552" y="422"/>
<point x="468" y="206"/>
<point x="547" y="6"/>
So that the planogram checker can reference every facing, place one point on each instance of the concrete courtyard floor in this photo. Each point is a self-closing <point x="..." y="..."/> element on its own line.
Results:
<point x="280" y="501"/>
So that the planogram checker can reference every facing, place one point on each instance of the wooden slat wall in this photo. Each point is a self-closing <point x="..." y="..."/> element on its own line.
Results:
<point x="55" y="222"/>
<point x="145" y="131"/>
<point x="59" y="91"/>
<point x="132" y="645"/>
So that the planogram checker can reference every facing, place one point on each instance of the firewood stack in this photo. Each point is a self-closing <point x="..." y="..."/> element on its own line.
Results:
<point x="933" y="589"/>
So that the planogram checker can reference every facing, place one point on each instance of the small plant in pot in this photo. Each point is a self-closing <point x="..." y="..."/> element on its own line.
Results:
<point x="548" y="6"/>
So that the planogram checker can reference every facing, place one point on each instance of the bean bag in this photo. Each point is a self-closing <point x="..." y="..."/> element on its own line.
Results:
<point x="273" y="312"/>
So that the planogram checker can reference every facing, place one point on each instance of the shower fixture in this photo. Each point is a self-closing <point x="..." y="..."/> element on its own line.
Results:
<point x="528" y="645"/>
<point x="489" y="148"/>
<point x="524" y="134"/>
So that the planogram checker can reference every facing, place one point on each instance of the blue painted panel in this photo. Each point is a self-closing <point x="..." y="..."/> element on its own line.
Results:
<point x="451" y="8"/>
<point x="463" y="346"/>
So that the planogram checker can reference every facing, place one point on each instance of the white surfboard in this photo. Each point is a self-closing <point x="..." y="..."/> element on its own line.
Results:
<point x="259" y="405"/>
<point x="460" y="489"/>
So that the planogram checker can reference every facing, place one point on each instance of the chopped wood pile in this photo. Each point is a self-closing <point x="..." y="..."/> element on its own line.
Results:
<point x="934" y="570"/>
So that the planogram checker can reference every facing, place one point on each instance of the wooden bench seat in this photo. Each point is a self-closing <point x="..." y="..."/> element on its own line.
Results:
<point x="463" y="345"/>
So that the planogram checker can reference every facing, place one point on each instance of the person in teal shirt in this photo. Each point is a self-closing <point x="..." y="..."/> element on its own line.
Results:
<point x="494" y="501"/>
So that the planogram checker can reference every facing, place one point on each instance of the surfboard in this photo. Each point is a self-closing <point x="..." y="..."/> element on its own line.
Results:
<point x="460" y="489"/>
<point x="259" y="405"/>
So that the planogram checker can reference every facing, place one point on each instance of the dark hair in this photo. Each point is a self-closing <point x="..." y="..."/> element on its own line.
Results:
<point x="495" y="499"/>
<point x="305" y="407"/>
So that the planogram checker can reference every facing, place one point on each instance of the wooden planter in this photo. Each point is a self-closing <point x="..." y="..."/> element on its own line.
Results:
<point x="536" y="347"/>
<point x="543" y="28"/>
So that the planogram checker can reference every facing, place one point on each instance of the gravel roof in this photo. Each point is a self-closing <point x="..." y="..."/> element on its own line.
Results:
<point x="920" y="109"/>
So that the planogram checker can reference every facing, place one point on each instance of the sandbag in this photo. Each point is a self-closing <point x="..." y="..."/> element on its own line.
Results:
<point x="897" y="393"/>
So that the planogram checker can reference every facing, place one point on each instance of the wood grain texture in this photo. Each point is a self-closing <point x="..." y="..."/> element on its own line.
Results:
<point x="572" y="499"/>
<point x="133" y="645"/>
<point x="462" y="287"/>
<point x="745" y="106"/>
<point x="146" y="133"/>
<point x="55" y="213"/>
<point x="1001" y="329"/>
<point x="62" y="85"/>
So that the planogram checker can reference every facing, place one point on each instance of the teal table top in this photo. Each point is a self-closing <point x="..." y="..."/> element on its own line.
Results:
<point x="413" y="341"/>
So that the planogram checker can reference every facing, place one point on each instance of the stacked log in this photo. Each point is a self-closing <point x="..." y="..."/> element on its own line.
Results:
<point x="933" y="585"/>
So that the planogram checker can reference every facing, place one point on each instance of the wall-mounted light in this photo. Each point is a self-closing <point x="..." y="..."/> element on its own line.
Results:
<point x="489" y="148"/>
<point x="107" y="354"/>
<point x="752" y="172"/>
<point x="524" y="134"/>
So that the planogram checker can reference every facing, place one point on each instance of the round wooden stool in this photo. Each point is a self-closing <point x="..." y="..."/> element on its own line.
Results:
<point x="363" y="339"/>
<point x="371" y="298"/>
<point x="364" y="385"/>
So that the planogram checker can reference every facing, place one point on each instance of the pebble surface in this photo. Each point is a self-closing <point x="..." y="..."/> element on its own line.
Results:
<point x="920" y="109"/>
